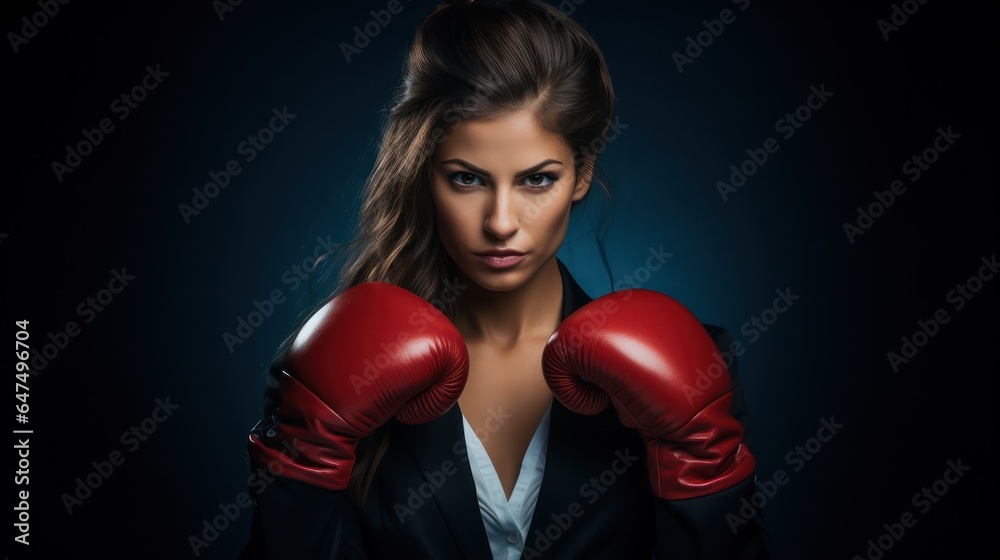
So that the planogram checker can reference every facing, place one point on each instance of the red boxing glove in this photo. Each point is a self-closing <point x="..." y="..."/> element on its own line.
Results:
<point x="642" y="350"/>
<point x="374" y="351"/>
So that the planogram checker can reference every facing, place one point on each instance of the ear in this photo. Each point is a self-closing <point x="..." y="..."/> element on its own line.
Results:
<point x="584" y="177"/>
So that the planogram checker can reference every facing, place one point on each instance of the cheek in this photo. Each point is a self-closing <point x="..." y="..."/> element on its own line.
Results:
<point x="451" y="217"/>
<point x="546" y="215"/>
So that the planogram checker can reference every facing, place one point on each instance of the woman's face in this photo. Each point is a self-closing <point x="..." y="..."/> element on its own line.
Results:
<point x="503" y="185"/>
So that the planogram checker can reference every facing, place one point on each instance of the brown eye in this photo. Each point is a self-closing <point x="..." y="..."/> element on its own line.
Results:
<point x="466" y="179"/>
<point x="540" y="180"/>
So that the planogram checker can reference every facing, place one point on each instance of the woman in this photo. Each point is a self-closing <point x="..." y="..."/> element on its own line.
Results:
<point x="363" y="452"/>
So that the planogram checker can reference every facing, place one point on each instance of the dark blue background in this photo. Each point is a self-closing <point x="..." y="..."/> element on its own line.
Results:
<point x="826" y="356"/>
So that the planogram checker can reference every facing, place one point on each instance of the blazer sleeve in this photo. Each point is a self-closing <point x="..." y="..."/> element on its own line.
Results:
<point x="712" y="527"/>
<point x="297" y="521"/>
<point x="723" y="525"/>
<point x="294" y="520"/>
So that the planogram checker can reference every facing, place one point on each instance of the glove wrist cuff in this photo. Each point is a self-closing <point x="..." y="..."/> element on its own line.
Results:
<point x="678" y="472"/>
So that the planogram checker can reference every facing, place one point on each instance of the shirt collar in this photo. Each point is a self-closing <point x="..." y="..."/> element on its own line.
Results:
<point x="573" y="295"/>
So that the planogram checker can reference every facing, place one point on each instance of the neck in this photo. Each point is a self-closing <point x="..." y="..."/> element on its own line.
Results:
<point x="503" y="319"/>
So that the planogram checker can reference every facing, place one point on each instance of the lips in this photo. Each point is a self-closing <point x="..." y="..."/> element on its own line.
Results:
<point x="501" y="258"/>
<point x="500" y="253"/>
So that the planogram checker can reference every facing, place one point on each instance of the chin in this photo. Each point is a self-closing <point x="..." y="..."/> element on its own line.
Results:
<point x="498" y="281"/>
<point x="498" y="284"/>
<point x="503" y="280"/>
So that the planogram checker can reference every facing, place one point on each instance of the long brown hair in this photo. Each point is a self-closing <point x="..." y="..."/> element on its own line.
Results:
<point x="468" y="60"/>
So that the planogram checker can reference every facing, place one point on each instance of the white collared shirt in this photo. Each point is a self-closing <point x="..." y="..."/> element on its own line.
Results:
<point x="507" y="522"/>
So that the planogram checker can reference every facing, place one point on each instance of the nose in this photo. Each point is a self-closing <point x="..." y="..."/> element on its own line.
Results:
<point x="502" y="220"/>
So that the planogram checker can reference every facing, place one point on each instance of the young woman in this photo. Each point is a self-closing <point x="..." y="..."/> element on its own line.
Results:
<point x="461" y="396"/>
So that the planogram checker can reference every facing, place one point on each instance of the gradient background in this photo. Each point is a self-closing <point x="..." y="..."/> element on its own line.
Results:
<point x="826" y="356"/>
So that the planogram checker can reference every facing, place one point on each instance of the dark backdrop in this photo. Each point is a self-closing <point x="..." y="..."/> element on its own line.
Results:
<point x="160" y="341"/>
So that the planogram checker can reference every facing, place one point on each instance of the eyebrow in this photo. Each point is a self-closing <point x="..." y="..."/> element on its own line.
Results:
<point x="485" y="173"/>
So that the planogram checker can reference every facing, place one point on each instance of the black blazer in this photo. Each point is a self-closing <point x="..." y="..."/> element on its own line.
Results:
<point x="594" y="501"/>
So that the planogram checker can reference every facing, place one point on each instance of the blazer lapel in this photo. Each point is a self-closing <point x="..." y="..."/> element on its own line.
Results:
<point x="430" y="445"/>
<point x="456" y="498"/>
<point x="561" y="480"/>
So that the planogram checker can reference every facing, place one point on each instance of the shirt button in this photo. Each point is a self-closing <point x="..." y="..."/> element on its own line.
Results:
<point x="513" y="537"/>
